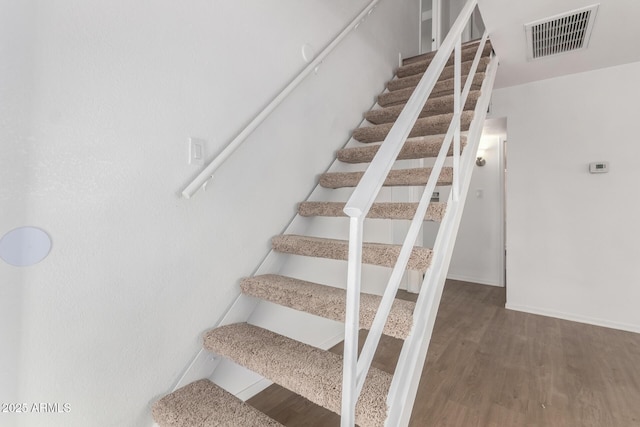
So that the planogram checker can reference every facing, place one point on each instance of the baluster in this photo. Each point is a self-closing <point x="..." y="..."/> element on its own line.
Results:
<point x="352" y="319"/>
<point x="457" y="110"/>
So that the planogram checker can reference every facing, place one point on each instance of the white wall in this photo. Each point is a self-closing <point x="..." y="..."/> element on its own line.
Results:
<point x="478" y="254"/>
<point x="572" y="236"/>
<point x="98" y="100"/>
<point x="15" y="105"/>
<point x="450" y="11"/>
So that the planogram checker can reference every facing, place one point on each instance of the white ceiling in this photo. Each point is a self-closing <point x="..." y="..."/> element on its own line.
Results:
<point x="615" y="39"/>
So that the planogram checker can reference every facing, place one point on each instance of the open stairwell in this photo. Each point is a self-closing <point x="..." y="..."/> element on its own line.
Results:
<point x="311" y="372"/>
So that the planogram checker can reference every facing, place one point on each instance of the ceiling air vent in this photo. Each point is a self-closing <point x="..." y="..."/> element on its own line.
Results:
<point x="561" y="33"/>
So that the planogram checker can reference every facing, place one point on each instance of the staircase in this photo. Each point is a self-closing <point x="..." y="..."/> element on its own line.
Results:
<point x="306" y="370"/>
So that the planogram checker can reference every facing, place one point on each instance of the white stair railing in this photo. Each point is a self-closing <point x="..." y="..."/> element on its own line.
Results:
<point x="407" y="375"/>
<point x="404" y="385"/>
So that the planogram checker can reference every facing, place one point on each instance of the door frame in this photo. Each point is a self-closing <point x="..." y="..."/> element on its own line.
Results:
<point x="502" y="147"/>
<point x="436" y="25"/>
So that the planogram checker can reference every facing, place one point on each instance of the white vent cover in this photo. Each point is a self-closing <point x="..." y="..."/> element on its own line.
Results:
<point x="567" y="32"/>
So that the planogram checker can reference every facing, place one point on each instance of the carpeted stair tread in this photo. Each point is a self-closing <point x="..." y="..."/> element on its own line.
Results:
<point x="396" y="177"/>
<point x="442" y="88"/>
<point x="447" y="73"/>
<point x="414" y="148"/>
<point x="381" y="254"/>
<point x="417" y="67"/>
<point x="434" y="125"/>
<point x="327" y="301"/>
<point x="204" y="404"/>
<point x="430" y="55"/>
<point x="466" y="47"/>
<point x="308" y="371"/>
<point x="384" y="210"/>
<point x="433" y="107"/>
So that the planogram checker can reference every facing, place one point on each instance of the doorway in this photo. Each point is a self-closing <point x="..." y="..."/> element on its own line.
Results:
<point x="436" y="19"/>
<point x="429" y="25"/>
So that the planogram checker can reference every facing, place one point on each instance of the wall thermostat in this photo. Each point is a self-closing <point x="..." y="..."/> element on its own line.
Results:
<point x="599" y="167"/>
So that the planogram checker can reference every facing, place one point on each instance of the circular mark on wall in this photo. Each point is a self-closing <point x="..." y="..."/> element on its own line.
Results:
<point x="25" y="246"/>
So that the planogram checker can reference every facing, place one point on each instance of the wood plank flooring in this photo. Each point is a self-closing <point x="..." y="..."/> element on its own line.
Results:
<point x="488" y="366"/>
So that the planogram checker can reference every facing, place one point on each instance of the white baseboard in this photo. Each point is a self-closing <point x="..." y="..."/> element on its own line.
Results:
<point x="470" y="279"/>
<point x="330" y="342"/>
<point x="253" y="389"/>
<point x="574" y="318"/>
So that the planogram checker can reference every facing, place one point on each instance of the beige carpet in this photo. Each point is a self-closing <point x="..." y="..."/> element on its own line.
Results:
<point x="397" y="177"/>
<point x="418" y="147"/>
<point x="442" y="88"/>
<point x="385" y="210"/>
<point x="434" y="125"/>
<point x="420" y="66"/>
<point x="308" y="371"/>
<point x="327" y="301"/>
<point x="433" y="107"/>
<point x="372" y="253"/>
<point x="429" y="55"/>
<point x="204" y="404"/>
<point x="448" y="72"/>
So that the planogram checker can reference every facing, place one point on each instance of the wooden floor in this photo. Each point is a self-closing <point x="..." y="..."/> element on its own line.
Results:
<point x="488" y="366"/>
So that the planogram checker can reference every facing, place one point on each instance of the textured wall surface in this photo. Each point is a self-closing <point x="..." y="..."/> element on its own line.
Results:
<point x="571" y="235"/>
<point x="97" y="101"/>
<point x="16" y="86"/>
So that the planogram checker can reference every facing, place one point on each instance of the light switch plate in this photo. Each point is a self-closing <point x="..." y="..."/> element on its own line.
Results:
<point x="197" y="151"/>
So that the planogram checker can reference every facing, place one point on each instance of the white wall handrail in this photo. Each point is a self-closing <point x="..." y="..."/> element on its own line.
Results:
<point x="356" y="369"/>
<point x="208" y="171"/>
